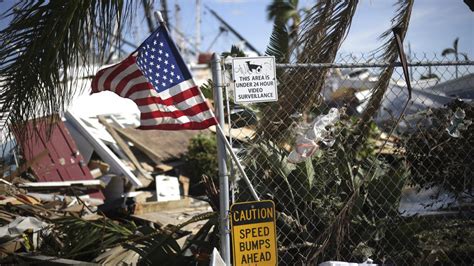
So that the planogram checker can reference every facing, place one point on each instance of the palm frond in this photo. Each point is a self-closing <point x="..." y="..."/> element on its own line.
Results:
<point x="279" y="43"/>
<point x="322" y="33"/>
<point x="455" y="44"/>
<point x="465" y="56"/>
<point x="83" y="239"/>
<point x="448" y="51"/>
<point x="160" y="246"/>
<point x="389" y="55"/>
<point x="281" y="10"/>
<point x="44" y="47"/>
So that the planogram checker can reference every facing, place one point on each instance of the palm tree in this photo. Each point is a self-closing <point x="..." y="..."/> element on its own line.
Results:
<point x="283" y="35"/>
<point x="45" y="45"/>
<point x="282" y="11"/>
<point x="454" y="50"/>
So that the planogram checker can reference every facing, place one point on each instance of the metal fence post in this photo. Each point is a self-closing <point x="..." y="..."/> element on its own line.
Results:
<point x="221" y="159"/>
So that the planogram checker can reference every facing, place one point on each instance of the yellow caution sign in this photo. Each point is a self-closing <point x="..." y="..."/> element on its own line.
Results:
<point x="254" y="233"/>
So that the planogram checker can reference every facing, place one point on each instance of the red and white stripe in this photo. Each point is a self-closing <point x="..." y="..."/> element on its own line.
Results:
<point x="180" y="107"/>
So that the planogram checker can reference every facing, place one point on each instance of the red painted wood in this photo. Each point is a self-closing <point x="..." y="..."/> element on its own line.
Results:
<point x="63" y="162"/>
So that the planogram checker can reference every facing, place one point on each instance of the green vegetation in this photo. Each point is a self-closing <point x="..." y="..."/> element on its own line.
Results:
<point x="201" y="160"/>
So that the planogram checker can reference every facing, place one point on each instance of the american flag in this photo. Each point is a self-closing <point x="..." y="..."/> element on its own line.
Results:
<point x="156" y="78"/>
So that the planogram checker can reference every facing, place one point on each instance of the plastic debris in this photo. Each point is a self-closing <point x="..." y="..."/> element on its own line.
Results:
<point x="457" y="123"/>
<point x="296" y="115"/>
<point x="318" y="134"/>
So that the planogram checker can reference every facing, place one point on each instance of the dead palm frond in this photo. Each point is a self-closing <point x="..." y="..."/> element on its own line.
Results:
<point x="83" y="239"/>
<point x="320" y="37"/>
<point x="389" y="55"/>
<point x="44" y="47"/>
<point x="339" y="229"/>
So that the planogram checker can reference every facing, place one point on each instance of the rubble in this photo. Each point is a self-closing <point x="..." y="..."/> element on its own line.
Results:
<point x="90" y="187"/>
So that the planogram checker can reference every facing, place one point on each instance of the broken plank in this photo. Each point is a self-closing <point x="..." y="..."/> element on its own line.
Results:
<point x="147" y="207"/>
<point x="104" y="152"/>
<point x="124" y="146"/>
<point x="136" y="142"/>
<point x="89" y="184"/>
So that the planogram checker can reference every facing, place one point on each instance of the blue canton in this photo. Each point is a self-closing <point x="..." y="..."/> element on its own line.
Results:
<point x="160" y="62"/>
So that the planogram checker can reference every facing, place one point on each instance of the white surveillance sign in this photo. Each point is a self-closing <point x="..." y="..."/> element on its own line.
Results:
<point x="254" y="79"/>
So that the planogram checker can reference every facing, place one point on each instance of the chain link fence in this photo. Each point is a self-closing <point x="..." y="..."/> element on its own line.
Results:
<point x="396" y="189"/>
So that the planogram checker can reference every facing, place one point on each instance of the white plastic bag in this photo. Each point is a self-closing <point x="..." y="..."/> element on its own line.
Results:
<point x="318" y="132"/>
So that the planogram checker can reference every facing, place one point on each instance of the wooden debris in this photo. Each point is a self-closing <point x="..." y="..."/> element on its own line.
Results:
<point x="101" y="149"/>
<point x="125" y="148"/>
<point x="95" y="164"/>
<point x="89" y="184"/>
<point x="164" y="167"/>
<point x="184" y="180"/>
<point x="148" y="207"/>
<point x="162" y="145"/>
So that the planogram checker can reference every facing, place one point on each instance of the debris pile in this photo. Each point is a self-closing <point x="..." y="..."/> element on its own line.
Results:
<point x="95" y="190"/>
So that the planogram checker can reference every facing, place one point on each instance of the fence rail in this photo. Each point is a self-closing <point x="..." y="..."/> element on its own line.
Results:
<point x="369" y="64"/>
<point x="350" y="191"/>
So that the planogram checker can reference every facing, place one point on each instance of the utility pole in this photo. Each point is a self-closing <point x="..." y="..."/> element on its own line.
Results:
<point x="148" y="9"/>
<point x="198" y="26"/>
<point x="177" y="28"/>
<point x="164" y="7"/>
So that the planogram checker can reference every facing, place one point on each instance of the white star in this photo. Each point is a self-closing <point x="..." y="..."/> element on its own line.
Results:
<point x="164" y="83"/>
<point x="178" y="77"/>
<point x="147" y="46"/>
<point x="172" y="66"/>
<point x="166" y="62"/>
<point x="171" y="80"/>
<point x="157" y="81"/>
<point x="157" y="74"/>
<point x="161" y="44"/>
<point x="158" y="66"/>
<point x="160" y="51"/>
<point x="165" y="78"/>
<point x="167" y="55"/>
<point x="159" y="59"/>
<point x="154" y="42"/>
<point x="152" y="64"/>
<point x="145" y="60"/>
<point x="149" y="70"/>
<point x="157" y="34"/>
<point x="166" y="70"/>
<point x="152" y="56"/>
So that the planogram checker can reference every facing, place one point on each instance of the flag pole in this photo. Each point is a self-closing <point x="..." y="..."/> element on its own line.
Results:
<point x="224" y="227"/>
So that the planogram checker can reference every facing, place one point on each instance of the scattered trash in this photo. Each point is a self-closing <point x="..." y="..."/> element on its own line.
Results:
<point x="19" y="226"/>
<point x="457" y="123"/>
<point x="319" y="134"/>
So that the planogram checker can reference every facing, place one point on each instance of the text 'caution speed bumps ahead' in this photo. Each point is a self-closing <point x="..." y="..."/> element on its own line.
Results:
<point x="253" y="233"/>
